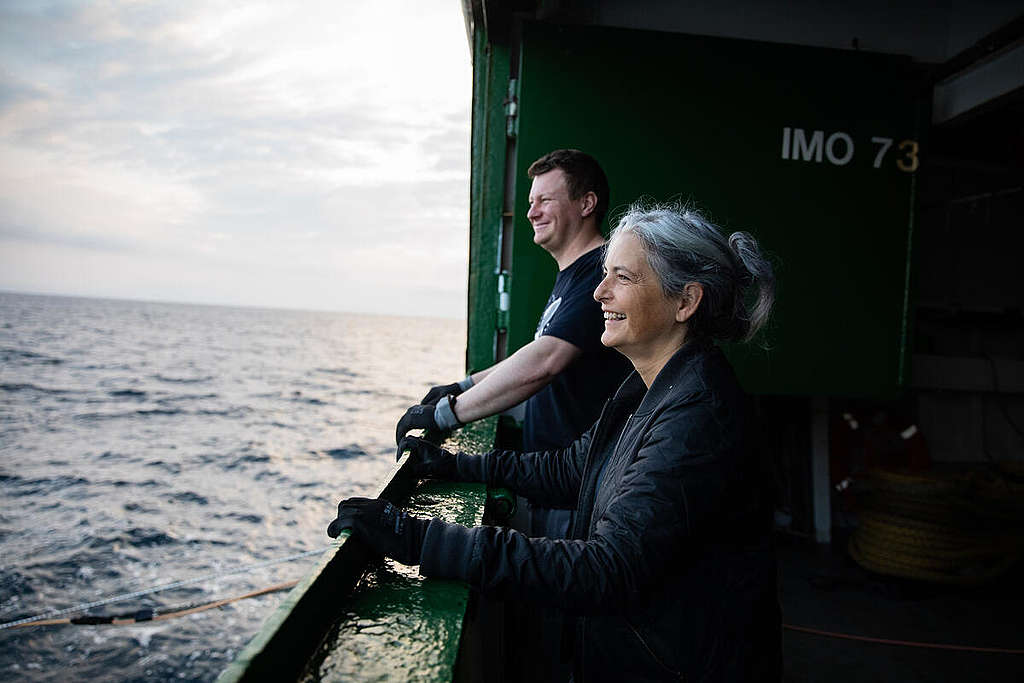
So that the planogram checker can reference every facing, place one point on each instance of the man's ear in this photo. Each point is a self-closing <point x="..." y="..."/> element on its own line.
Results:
<point x="588" y="202"/>
<point x="689" y="301"/>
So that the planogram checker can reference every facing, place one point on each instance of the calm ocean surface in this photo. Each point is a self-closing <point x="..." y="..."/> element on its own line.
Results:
<point x="149" y="443"/>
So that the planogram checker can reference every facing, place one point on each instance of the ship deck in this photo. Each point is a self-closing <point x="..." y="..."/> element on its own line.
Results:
<point x="822" y="588"/>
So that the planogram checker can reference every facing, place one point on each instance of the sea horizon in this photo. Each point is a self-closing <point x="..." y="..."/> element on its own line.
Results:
<point x="254" y="307"/>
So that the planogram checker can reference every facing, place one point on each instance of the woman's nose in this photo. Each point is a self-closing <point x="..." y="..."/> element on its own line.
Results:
<point x="601" y="293"/>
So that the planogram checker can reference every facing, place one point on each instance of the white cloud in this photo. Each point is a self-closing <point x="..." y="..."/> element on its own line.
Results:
<point x="257" y="137"/>
<point x="95" y="201"/>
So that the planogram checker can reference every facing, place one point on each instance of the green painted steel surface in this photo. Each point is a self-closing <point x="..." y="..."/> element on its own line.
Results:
<point x="701" y="118"/>
<point x="490" y="84"/>
<point x="356" y="618"/>
<point x="398" y="625"/>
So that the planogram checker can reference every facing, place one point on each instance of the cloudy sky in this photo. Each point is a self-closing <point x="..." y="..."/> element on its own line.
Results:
<point x="303" y="155"/>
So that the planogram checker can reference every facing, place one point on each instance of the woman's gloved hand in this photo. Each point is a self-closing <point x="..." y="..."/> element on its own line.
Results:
<point x="428" y="461"/>
<point x="386" y="528"/>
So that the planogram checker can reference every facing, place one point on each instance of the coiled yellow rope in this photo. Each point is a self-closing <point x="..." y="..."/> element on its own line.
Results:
<point x="954" y="527"/>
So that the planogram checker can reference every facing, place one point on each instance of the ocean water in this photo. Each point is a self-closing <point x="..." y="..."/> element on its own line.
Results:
<point x="149" y="443"/>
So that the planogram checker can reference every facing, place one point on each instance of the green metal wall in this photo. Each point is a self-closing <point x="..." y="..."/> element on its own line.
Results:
<point x="674" y="115"/>
<point x="488" y="150"/>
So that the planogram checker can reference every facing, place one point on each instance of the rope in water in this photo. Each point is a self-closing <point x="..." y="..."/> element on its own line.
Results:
<point x="152" y="615"/>
<point x="156" y="589"/>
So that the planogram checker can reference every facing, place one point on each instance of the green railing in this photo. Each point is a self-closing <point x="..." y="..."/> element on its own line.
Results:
<point x="356" y="617"/>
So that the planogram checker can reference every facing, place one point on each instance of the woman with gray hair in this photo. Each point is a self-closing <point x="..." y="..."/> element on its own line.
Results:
<point x="670" y="567"/>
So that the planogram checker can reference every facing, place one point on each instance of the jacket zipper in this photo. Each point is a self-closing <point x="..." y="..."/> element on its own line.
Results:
<point x="655" y="657"/>
<point x="604" y="471"/>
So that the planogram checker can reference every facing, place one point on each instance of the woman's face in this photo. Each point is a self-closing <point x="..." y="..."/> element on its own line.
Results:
<point x="639" y="320"/>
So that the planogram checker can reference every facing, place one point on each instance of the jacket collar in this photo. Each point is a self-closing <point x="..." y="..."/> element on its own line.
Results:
<point x="633" y="389"/>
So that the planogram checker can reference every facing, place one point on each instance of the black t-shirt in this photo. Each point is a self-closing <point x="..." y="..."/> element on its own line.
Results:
<point x="571" y="403"/>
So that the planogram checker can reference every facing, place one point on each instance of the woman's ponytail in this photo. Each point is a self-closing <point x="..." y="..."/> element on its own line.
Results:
<point x="759" y="280"/>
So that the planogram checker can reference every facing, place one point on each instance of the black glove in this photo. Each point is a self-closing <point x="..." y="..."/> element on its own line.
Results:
<point x="437" y="393"/>
<point x="387" y="529"/>
<point x="417" y="417"/>
<point x="427" y="461"/>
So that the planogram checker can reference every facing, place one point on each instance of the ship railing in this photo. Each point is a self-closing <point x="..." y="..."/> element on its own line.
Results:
<point x="355" y="616"/>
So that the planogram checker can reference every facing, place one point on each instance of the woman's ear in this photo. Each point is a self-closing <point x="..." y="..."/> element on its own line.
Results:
<point x="693" y="292"/>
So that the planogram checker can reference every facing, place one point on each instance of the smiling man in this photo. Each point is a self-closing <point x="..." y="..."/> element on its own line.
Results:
<point x="565" y="373"/>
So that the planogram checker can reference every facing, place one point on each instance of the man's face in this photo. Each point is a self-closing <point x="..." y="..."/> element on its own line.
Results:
<point x="554" y="216"/>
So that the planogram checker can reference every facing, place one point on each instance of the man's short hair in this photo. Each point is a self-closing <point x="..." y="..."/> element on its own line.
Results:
<point x="582" y="175"/>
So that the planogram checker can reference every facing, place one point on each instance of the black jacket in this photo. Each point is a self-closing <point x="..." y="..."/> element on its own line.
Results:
<point x="670" y="565"/>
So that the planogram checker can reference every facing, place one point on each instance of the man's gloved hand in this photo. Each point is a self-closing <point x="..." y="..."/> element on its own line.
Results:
<point x="417" y="417"/>
<point x="387" y="529"/>
<point x="427" y="461"/>
<point x="437" y="393"/>
<point x="435" y="418"/>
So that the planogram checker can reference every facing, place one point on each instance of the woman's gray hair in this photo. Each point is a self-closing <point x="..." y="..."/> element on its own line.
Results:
<point x="682" y="246"/>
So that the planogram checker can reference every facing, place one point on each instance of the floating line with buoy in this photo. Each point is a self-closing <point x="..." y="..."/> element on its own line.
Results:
<point x="57" y="614"/>
<point x="151" y="614"/>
